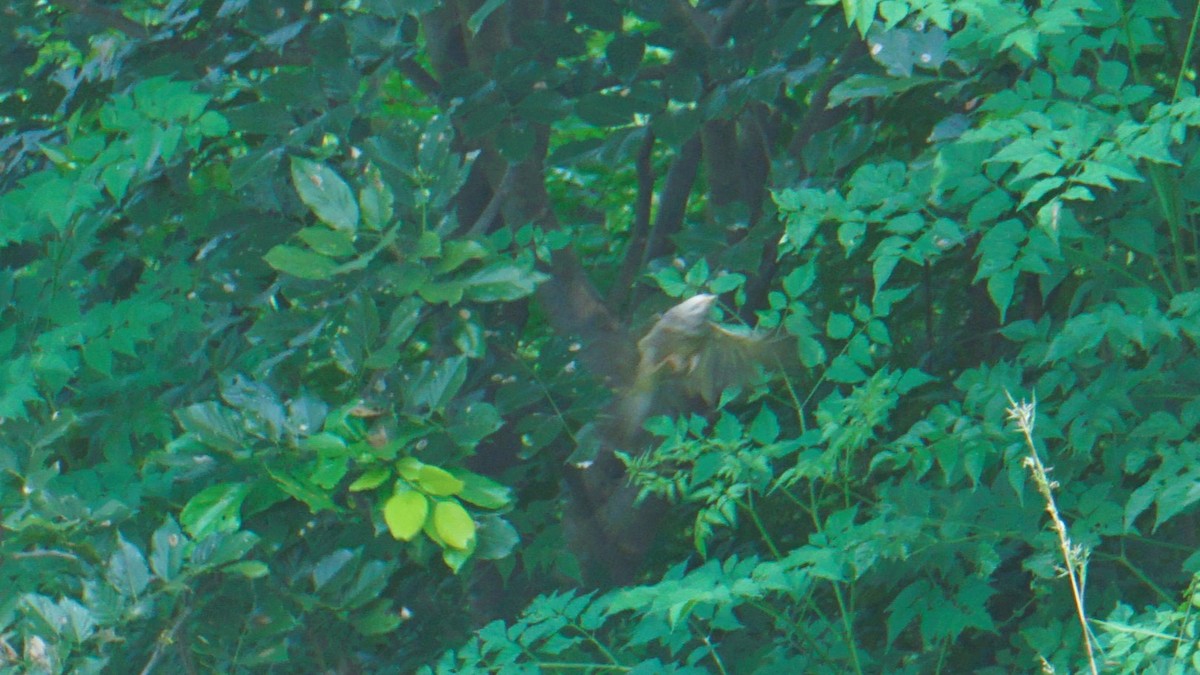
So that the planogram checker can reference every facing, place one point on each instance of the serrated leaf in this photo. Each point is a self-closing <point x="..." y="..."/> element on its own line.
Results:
<point x="698" y="274"/>
<point x="17" y="388"/>
<point x="839" y="326"/>
<point x="127" y="571"/>
<point x="97" y="353"/>
<point x="765" y="427"/>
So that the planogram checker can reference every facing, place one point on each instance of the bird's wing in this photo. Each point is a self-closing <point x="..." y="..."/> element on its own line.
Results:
<point x="728" y="358"/>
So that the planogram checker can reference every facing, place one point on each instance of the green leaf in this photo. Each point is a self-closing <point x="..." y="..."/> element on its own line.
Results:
<point x="167" y="548"/>
<point x="326" y="194"/>
<point x="497" y="538"/>
<point x="326" y="242"/>
<point x="765" y="427"/>
<point x="116" y="178"/>
<point x="216" y="508"/>
<point x="449" y="292"/>
<point x="453" y="524"/>
<point x="839" y="326"/>
<point x="624" y="53"/>
<point x="368" y="585"/>
<point x="544" y="107"/>
<point x="845" y="370"/>
<point x="437" y="481"/>
<point x="502" y="282"/>
<point x="333" y="571"/>
<point x="300" y="263"/>
<point x="458" y="251"/>
<point x="97" y="353"/>
<point x="482" y="491"/>
<point x="328" y="471"/>
<point x="906" y="606"/>
<point x="405" y="513"/>
<point x="850" y="235"/>
<point x="249" y="569"/>
<point x="303" y="490"/>
<point x="81" y="624"/>
<point x="724" y="283"/>
<point x="371" y="479"/>
<point x="376" y="201"/>
<point x="435" y="386"/>
<point x="17" y="388"/>
<point x="606" y="109"/>
<point x="212" y="424"/>
<point x="127" y="571"/>
<point x="474" y="423"/>
<point x="1000" y="288"/>
<point x="213" y="124"/>
<point x="698" y="274"/>
<point x="670" y="281"/>
<point x="226" y="548"/>
<point x="380" y="619"/>
<point x="324" y="442"/>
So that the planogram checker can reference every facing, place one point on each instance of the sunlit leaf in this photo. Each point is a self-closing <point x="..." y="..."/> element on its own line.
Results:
<point x="453" y="524"/>
<point x="405" y="513"/>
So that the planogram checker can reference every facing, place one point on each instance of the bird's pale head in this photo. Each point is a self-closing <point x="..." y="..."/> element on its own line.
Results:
<point x="690" y="316"/>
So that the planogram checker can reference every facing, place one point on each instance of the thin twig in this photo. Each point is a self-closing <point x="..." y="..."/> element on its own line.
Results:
<point x="166" y="639"/>
<point x="1025" y="415"/>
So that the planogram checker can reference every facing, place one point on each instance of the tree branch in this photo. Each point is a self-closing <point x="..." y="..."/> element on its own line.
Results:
<point x="635" y="248"/>
<point x="672" y="202"/>
<point x="421" y="78"/>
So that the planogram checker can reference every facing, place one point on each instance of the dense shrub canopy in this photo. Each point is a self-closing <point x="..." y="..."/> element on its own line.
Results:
<point x="328" y="336"/>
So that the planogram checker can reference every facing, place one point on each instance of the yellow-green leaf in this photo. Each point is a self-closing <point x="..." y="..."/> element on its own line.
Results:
<point x="405" y="513"/>
<point x="437" y="481"/>
<point x="371" y="478"/>
<point x="453" y="524"/>
<point x="410" y="468"/>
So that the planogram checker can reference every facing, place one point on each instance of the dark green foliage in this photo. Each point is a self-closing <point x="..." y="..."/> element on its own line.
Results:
<point x="312" y="313"/>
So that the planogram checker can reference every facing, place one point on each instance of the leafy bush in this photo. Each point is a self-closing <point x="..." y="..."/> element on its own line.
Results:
<point x="310" y="310"/>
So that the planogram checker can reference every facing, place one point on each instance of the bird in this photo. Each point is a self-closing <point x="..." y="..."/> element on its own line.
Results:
<point x="686" y="356"/>
<point x="684" y="362"/>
